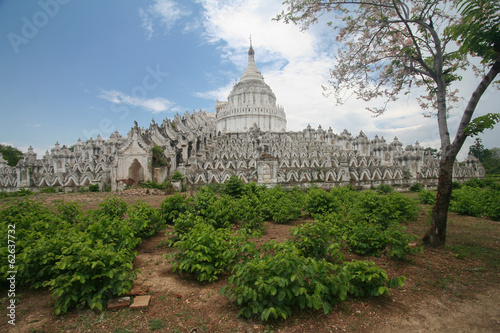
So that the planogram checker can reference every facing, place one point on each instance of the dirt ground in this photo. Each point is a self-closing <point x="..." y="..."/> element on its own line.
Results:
<point x="447" y="290"/>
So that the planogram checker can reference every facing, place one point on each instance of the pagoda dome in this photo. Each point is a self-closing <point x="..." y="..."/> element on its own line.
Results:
<point x="251" y="101"/>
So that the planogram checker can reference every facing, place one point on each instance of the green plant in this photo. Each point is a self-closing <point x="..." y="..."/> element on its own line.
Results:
<point x="83" y="258"/>
<point x="158" y="157"/>
<point x="185" y="222"/>
<point x="206" y="252"/>
<point x="48" y="190"/>
<point x="249" y="213"/>
<point x="177" y="176"/>
<point x="280" y="205"/>
<point x="314" y="240"/>
<point x="11" y="154"/>
<point x="367" y="279"/>
<point x="417" y="187"/>
<point x="319" y="202"/>
<point x="234" y="187"/>
<point x="384" y="188"/>
<point x="112" y="207"/>
<point x="220" y="212"/>
<point x="282" y="280"/>
<point x="286" y="209"/>
<point x="104" y="272"/>
<point x="22" y="193"/>
<point x="68" y="211"/>
<point x="172" y="207"/>
<point x="144" y="219"/>
<point x="94" y="188"/>
<point x="427" y="197"/>
<point x="476" y="201"/>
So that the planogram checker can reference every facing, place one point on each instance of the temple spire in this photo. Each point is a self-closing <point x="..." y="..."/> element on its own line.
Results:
<point x="251" y="52"/>
<point x="251" y="72"/>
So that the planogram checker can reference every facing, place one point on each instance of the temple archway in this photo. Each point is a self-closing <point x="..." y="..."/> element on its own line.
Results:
<point x="135" y="173"/>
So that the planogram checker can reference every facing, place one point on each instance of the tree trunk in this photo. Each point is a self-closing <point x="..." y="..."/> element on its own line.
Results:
<point x="436" y="236"/>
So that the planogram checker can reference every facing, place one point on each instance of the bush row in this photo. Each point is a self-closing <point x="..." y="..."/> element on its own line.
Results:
<point x="306" y="271"/>
<point x="83" y="257"/>
<point x="86" y="257"/>
<point x="473" y="198"/>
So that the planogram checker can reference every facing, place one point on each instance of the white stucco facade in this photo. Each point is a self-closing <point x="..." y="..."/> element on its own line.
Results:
<point x="251" y="103"/>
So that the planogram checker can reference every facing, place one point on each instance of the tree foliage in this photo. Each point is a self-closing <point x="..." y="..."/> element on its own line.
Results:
<point x="479" y="31"/>
<point x="388" y="47"/>
<point x="490" y="158"/>
<point x="159" y="159"/>
<point x="10" y="154"/>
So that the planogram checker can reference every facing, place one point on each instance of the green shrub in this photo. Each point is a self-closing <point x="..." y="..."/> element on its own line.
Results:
<point x="476" y="201"/>
<point x="36" y="228"/>
<point x="177" y="176"/>
<point x="384" y="188"/>
<point x="404" y="209"/>
<point x="286" y="209"/>
<point x="483" y="183"/>
<point x="234" y="187"/>
<point x="492" y="210"/>
<point x="346" y="195"/>
<point x="112" y="207"/>
<point x="48" y="190"/>
<point x="276" y="284"/>
<point x="83" y="258"/>
<point x="417" y="187"/>
<point x="468" y="201"/>
<point x="68" y="211"/>
<point x="173" y="206"/>
<point x="19" y="193"/>
<point x="367" y="279"/>
<point x="252" y="189"/>
<point x="249" y="213"/>
<point x="383" y="209"/>
<point x="94" y="188"/>
<point x="314" y="240"/>
<point x="158" y="157"/>
<point x="206" y="252"/>
<point x="427" y="197"/>
<point x="220" y="212"/>
<point x="280" y="205"/>
<point x="89" y="272"/>
<point x="144" y="219"/>
<point x="185" y="222"/>
<point x="365" y="237"/>
<point x="319" y="202"/>
<point x="282" y="281"/>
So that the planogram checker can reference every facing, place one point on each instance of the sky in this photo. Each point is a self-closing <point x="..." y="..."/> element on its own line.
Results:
<point x="74" y="69"/>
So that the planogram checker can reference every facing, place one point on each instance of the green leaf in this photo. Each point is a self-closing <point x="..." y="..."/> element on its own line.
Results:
<point x="281" y="295"/>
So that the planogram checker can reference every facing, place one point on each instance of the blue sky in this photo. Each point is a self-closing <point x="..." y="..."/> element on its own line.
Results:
<point x="74" y="69"/>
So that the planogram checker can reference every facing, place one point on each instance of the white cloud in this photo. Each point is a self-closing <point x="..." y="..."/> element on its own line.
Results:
<point x="163" y="13"/>
<point x="154" y="105"/>
<point x="216" y="94"/>
<point x="296" y="64"/>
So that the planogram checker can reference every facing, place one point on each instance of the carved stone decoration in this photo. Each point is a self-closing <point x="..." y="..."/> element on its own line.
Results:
<point x="267" y="170"/>
<point x="246" y="137"/>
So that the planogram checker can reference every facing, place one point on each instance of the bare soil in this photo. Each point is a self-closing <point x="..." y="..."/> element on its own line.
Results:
<point x="456" y="289"/>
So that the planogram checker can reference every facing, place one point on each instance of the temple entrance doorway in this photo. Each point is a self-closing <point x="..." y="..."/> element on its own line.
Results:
<point x="135" y="173"/>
